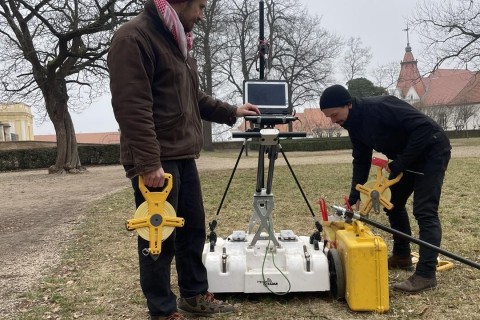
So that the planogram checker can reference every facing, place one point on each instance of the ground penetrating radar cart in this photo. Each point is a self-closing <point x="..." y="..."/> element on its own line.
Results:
<point x="350" y="261"/>
<point x="260" y="259"/>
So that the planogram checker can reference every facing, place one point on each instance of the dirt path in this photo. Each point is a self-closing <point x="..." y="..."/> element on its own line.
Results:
<point x="38" y="212"/>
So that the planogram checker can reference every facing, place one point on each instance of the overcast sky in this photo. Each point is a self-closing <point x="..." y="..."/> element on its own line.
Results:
<point x="378" y="23"/>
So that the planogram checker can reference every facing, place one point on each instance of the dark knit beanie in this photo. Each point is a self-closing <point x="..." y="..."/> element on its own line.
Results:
<point x="176" y="1"/>
<point x="335" y="96"/>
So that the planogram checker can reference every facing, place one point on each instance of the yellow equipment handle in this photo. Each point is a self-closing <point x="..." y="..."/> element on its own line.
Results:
<point x="442" y="265"/>
<point x="377" y="191"/>
<point x="156" y="218"/>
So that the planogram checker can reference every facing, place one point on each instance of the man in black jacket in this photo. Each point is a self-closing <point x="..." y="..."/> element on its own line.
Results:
<point x="416" y="146"/>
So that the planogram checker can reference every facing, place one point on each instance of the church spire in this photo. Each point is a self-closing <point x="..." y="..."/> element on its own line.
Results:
<point x="408" y="48"/>
<point x="409" y="77"/>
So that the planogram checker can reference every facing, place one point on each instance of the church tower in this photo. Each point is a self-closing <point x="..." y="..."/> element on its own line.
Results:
<point x="410" y="86"/>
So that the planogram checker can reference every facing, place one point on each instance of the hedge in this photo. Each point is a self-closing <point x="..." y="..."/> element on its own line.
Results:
<point x="107" y="154"/>
<point x="39" y="158"/>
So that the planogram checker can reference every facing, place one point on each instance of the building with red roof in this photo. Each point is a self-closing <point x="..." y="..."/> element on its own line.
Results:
<point x="87" y="138"/>
<point x="449" y="96"/>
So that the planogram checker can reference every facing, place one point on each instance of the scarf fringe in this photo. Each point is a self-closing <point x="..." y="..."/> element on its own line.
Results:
<point x="183" y="39"/>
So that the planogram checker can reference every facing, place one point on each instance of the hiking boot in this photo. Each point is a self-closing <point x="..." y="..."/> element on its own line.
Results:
<point x="173" y="316"/>
<point x="398" y="262"/>
<point x="204" y="305"/>
<point x="415" y="284"/>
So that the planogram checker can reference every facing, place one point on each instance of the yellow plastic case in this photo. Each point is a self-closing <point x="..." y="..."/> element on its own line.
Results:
<point x="330" y="229"/>
<point x="364" y="260"/>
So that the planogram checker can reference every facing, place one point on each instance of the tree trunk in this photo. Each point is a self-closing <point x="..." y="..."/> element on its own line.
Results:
<point x="68" y="160"/>
<point x="207" y="136"/>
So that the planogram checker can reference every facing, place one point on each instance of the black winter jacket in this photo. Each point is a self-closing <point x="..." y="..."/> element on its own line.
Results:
<point x="393" y="127"/>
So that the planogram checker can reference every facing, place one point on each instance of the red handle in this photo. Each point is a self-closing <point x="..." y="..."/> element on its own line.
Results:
<point x="382" y="163"/>
<point x="347" y="204"/>
<point x="323" y="208"/>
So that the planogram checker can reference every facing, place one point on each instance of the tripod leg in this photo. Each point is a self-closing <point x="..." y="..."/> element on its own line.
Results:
<point x="260" y="169"/>
<point x="297" y="182"/>
<point x="231" y="178"/>
<point x="272" y="156"/>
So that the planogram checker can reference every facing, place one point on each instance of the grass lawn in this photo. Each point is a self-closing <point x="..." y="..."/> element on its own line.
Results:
<point x="98" y="275"/>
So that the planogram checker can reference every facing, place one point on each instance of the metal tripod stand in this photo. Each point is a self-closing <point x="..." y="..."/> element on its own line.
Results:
<point x="263" y="201"/>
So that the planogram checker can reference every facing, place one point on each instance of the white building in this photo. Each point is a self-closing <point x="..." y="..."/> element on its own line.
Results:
<point x="16" y="122"/>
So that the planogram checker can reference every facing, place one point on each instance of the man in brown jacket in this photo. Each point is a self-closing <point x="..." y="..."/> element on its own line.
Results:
<point x="159" y="107"/>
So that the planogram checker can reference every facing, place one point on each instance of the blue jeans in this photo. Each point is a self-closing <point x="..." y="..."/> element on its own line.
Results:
<point x="426" y="191"/>
<point x="185" y="244"/>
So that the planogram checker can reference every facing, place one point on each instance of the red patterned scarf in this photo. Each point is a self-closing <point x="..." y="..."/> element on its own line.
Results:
<point x="183" y="39"/>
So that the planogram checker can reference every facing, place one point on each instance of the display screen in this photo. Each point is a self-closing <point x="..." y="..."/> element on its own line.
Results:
<point x="271" y="97"/>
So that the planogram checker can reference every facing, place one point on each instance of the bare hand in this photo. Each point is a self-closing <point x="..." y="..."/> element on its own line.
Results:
<point x="154" y="179"/>
<point x="357" y="205"/>
<point x="247" y="109"/>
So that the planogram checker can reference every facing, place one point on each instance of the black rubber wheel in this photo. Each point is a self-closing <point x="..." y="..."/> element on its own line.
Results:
<point x="336" y="274"/>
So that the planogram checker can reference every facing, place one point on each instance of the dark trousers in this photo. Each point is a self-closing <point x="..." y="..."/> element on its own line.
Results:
<point x="426" y="191"/>
<point x="185" y="244"/>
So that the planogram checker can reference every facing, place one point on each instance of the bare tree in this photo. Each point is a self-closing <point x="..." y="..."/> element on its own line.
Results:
<point x="207" y="43"/>
<point x="329" y="131"/>
<point x="476" y="119"/>
<point x="326" y="128"/>
<point x="221" y="133"/>
<point x="386" y="75"/>
<point x="356" y="59"/>
<point x="302" y="51"/>
<point x="242" y="52"/>
<point x="222" y="48"/>
<point x="441" y="114"/>
<point x="56" y="59"/>
<point x="297" y="49"/>
<point x="450" y="30"/>
<point x="461" y="116"/>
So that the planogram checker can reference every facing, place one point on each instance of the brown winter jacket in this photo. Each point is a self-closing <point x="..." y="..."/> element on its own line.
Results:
<point x="155" y="95"/>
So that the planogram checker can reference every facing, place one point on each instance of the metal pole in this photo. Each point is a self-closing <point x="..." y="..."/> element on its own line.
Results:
<point x="261" y="40"/>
